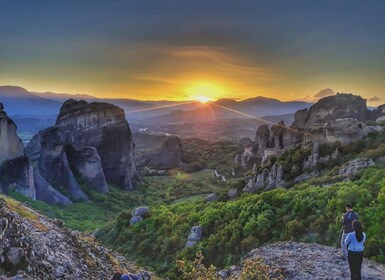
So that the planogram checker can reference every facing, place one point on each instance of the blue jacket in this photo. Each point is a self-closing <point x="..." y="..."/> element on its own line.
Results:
<point x="349" y="217"/>
<point x="353" y="244"/>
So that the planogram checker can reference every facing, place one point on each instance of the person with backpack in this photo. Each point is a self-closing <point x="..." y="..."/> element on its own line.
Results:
<point x="347" y="220"/>
<point x="355" y="244"/>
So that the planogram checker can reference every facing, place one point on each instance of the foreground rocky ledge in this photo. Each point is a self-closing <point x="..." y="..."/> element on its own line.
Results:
<point x="33" y="246"/>
<point x="302" y="261"/>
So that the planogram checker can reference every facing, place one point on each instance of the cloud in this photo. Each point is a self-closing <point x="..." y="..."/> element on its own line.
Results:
<point x="325" y="92"/>
<point x="374" y="99"/>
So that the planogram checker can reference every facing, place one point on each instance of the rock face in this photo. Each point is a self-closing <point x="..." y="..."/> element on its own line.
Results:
<point x="36" y="247"/>
<point x="308" y="261"/>
<point x="16" y="172"/>
<point x="328" y="109"/>
<point x="336" y="118"/>
<point x="354" y="166"/>
<point x="11" y="145"/>
<point x="104" y="127"/>
<point x="268" y="178"/>
<point x="168" y="157"/>
<point x="194" y="236"/>
<point x="89" y="141"/>
<point x="17" y="175"/>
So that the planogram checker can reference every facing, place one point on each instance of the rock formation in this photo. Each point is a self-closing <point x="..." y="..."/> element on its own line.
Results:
<point x="306" y="261"/>
<point x="168" y="157"/>
<point x="354" y="166"/>
<point x="336" y="118"/>
<point x="139" y="214"/>
<point x="89" y="141"/>
<point x="17" y="175"/>
<point x="104" y="127"/>
<point x="16" y="172"/>
<point x="194" y="236"/>
<point x="35" y="247"/>
<point x="11" y="145"/>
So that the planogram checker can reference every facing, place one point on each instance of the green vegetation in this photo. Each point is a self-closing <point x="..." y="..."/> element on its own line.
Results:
<point x="307" y="213"/>
<point x="101" y="208"/>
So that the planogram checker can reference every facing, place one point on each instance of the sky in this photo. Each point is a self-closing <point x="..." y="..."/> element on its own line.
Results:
<point x="182" y="50"/>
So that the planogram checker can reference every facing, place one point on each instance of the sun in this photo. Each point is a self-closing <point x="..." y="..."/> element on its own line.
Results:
<point x="202" y="99"/>
<point x="204" y="91"/>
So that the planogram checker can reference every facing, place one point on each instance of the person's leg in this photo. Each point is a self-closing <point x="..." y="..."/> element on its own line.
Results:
<point x="360" y="257"/>
<point x="344" y="249"/>
<point x="351" y="264"/>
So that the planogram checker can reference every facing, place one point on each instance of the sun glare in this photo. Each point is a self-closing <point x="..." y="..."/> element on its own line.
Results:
<point x="203" y="99"/>
<point x="204" y="91"/>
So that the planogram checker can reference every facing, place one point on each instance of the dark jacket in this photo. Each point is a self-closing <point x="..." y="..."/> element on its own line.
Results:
<point x="349" y="217"/>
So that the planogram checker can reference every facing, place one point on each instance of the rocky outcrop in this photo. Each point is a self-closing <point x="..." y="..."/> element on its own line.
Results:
<point x="306" y="176"/>
<point x="104" y="127"/>
<point x="16" y="172"/>
<point x="11" y="145"/>
<point x="307" y="261"/>
<point x="54" y="166"/>
<point x="35" y="247"/>
<point x="194" y="236"/>
<point x="212" y="197"/>
<point x="139" y="214"/>
<point x="47" y="193"/>
<point x="328" y="109"/>
<point x="267" y="179"/>
<point x="17" y="175"/>
<point x="86" y="163"/>
<point x="335" y="118"/>
<point x="354" y="166"/>
<point x="272" y="141"/>
<point x="168" y="157"/>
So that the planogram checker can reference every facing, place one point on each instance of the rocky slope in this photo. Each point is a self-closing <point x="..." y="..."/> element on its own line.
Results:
<point x="308" y="261"/>
<point x="35" y="247"/>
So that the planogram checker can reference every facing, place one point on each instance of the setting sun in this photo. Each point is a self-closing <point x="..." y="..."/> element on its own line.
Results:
<point x="202" y="99"/>
<point x="205" y="91"/>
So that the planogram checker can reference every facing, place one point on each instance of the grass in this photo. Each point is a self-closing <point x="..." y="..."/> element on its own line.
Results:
<point x="101" y="208"/>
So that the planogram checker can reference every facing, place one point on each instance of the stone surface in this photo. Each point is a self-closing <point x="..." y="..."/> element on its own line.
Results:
<point x="47" y="193"/>
<point x="195" y="235"/>
<point x="306" y="176"/>
<point x="54" y="166"/>
<point x="103" y="126"/>
<point x="232" y="194"/>
<point x="212" y="197"/>
<point x="354" y="166"/>
<point x="138" y="214"/>
<point x="17" y="175"/>
<point x="36" y="247"/>
<point x="86" y="163"/>
<point x="309" y="261"/>
<point x="11" y="145"/>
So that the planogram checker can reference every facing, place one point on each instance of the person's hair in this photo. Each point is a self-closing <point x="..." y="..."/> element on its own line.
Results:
<point x="116" y="276"/>
<point x="350" y="206"/>
<point x="357" y="226"/>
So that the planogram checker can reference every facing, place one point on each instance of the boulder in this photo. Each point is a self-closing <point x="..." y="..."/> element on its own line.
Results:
<point x="232" y="194"/>
<point x="194" y="236"/>
<point x="139" y="214"/>
<point x="212" y="197"/>
<point x="104" y="127"/>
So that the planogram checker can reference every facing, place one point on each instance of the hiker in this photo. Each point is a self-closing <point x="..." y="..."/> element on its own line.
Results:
<point x="355" y="244"/>
<point x="347" y="220"/>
